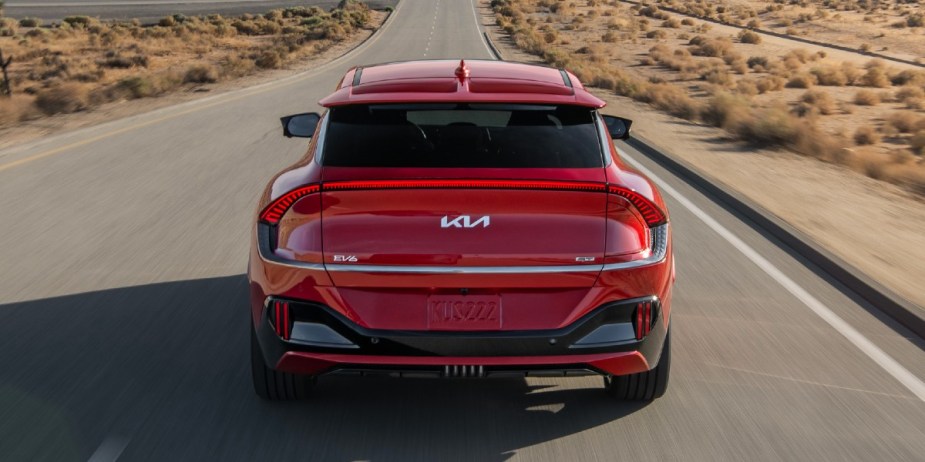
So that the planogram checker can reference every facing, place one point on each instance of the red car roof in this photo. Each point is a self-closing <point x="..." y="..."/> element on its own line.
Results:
<point x="460" y="81"/>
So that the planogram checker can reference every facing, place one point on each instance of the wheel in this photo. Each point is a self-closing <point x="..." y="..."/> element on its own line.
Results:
<point x="644" y="386"/>
<point x="274" y="385"/>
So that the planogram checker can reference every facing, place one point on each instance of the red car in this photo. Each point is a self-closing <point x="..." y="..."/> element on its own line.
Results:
<point x="460" y="219"/>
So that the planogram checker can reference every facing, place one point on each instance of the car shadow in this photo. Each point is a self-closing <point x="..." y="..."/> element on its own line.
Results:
<point x="162" y="370"/>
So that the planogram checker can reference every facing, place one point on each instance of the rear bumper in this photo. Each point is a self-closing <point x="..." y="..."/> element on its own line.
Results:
<point x="318" y="340"/>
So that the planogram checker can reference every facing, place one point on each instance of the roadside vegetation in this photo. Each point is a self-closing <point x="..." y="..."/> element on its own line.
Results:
<point x="81" y="62"/>
<point x="862" y="113"/>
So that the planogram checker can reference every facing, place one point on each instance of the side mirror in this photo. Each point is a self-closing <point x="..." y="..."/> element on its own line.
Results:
<point x="300" y="125"/>
<point x="618" y="127"/>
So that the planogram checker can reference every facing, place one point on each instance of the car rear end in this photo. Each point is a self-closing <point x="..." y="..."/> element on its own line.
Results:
<point x="460" y="239"/>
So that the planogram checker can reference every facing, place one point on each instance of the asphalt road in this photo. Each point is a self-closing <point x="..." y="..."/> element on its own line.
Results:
<point x="123" y="316"/>
<point x="152" y="10"/>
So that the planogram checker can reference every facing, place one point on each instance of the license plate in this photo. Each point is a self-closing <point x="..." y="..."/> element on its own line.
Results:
<point x="464" y="312"/>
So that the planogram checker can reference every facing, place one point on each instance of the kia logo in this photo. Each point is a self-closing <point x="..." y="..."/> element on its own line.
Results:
<point x="464" y="221"/>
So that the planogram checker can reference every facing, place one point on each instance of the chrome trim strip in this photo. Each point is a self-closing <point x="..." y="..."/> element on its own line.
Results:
<point x="465" y="269"/>
<point x="659" y="239"/>
<point x="263" y="248"/>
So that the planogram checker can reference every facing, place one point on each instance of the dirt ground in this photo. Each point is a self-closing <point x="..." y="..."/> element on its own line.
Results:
<point x="875" y="226"/>
<point x="885" y="29"/>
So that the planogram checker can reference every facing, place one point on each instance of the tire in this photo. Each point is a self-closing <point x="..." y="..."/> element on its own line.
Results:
<point x="644" y="386"/>
<point x="273" y="385"/>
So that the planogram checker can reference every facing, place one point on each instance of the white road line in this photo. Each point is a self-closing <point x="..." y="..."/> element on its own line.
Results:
<point x="885" y="361"/>
<point x="478" y="29"/>
<point x="110" y="450"/>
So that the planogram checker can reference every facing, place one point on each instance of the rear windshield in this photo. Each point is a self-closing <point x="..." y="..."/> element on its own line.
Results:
<point x="462" y="135"/>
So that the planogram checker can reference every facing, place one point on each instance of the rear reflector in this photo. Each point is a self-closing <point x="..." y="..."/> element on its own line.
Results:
<point x="277" y="208"/>
<point x="279" y="316"/>
<point x="643" y="319"/>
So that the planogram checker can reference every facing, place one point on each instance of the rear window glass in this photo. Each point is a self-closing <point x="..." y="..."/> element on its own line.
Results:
<point x="462" y="135"/>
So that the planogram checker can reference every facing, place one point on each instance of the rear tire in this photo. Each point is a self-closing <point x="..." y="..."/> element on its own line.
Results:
<point x="644" y="386"/>
<point x="273" y="385"/>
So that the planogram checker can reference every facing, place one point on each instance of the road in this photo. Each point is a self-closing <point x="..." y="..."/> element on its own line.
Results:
<point x="123" y="316"/>
<point x="152" y="10"/>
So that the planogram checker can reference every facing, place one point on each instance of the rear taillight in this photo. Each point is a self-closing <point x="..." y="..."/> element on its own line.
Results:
<point x="649" y="211"/>
<point x="275" y="211"/>
<point x="643" y="319"/>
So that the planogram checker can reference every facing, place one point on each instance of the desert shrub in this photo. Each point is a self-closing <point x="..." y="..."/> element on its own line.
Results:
<point x="866" y="135"/>
<point x="78" y="21"/>
<point x="875" y="77"/>
<point x="114" y="60"/>
<point x="917" y="142"/>
<point x="671" y="23"/>
<point x="904" y="122"/>
<point x="866" y="98"/>
<point x="851" y="72"/>
<point x="908" y="92"/>
<point x="269" y="59"/>
<point x="769" y="83"/>
<point x="200" y="73"/>
<point x="754" y="61"/>
<point x="829" y="76"/>
<point x="137" y="87"/>
<point x="818" y="101"/>
<point x="609" y="37"/>
<point x="908" y="77"/>
<point x="687" y="22"/>
<point x="717" y="76"/>
<point x="713" y="47"/>
<point x="746" y="87"/>
<point x="62" y="99"/>
<point x="915" y="104"/>
<point x="801" y="81"/>
<point x="671" y="99"/>
<point x="915" y="20"/>
<point x="747" y="36"/>
<point x="246" y="27"/>
<point x="656" y="34"/>
<point x="767" y="127"/>
<point x="723" y="109"/>
<point x="30" y="22"/>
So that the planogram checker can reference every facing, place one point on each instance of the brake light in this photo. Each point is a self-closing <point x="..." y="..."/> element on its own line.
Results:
<point x="275" y="211"/>
<point x="650" y="212"/>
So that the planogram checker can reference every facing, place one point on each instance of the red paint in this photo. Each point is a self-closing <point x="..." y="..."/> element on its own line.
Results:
<point x="393" y="216"/>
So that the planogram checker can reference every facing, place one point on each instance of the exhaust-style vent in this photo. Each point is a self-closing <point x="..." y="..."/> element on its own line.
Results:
<point x="464" y="371"/>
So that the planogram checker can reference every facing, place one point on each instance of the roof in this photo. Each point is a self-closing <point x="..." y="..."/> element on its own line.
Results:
<point x="474" y="81"/>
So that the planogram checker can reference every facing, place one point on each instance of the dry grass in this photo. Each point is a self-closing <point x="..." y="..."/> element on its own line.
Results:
<point x="866" y="98"/>
<point x="866" y="135"/>
<point x="82" y="62"/>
